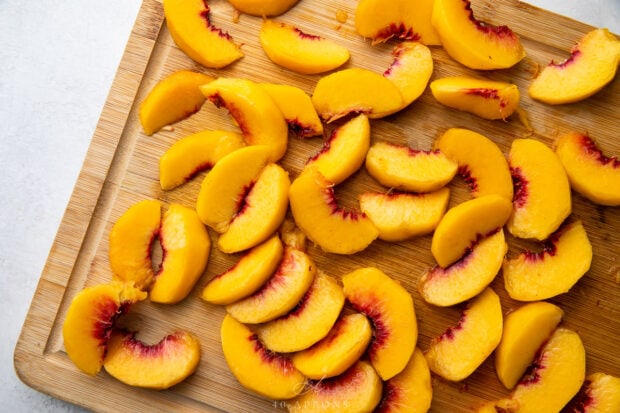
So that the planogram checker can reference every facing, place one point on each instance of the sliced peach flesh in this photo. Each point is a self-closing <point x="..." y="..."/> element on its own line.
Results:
<point x="263" y="8"/>
<point x="599" y="393"/>
<point x="410" y="70"/>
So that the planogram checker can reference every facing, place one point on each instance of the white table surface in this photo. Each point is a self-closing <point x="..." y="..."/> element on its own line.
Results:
<point x="57" y="63"/>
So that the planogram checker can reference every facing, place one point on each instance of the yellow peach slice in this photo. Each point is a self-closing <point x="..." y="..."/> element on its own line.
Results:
<point x="256" y="368"/>
<point x="186" y="246"/>
<point x="297" y="108"/>
<point x="468" y="276"/>
<point x="172" y="99"/>
<point x="301" y="52"/>
<point x="262" y="8"/>
<point x="190" y="27"/>
<point x="399" y="215"/>
<point x="401" y="167"/>
<point x="281" y="293"/>
<point x="464" y="224"/>
<point x="258" y="116"/>
<point x="193" y="154"/>
<point x="480" y="161"/>
<point x="359" y="389"/>
<point x="461" y="349"/>
<point x="356" y="90"/>
<point x="316" y="212"/>
<point x="345" y="150"/>
<point x="400" y="19"/>
<point x="248" y="274"/>
<point x="261" y="213"/>
<point x="590" y="172"/>
<point x="591" y="66"/>
<point x="410" y="70"/>
<point x="390" y="307"/>
<point x="488" y="99"/>
<point x="564" y="258"/>
<point x="291" y="235"/>
<point x="157" y="366"/>
<point x="90" y="319"/>
<point x="310" y="320"/>
<point x="542" y="199"/>
<point x="599" y="393"/>
<point x="525" y="330"/>
<point x="340" y="349"/>
<point x="473" y="43"/>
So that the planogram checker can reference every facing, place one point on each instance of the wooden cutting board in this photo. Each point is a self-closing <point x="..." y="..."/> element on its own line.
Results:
<point x="121" y="168"/>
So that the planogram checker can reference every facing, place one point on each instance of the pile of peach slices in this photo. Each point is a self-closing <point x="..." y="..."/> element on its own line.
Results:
<point x="293" y="332"/>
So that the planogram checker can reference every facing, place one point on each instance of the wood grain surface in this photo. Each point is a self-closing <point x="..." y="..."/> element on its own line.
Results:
<point x="121" y="168"/>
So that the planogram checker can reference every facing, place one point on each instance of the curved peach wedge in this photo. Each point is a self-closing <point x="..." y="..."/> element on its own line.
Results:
<point x="263" y="8"/>
<point x="301" y="52"/>
<point x="599" y="393"/>
<point x="190" y="27"/>
<point x="390" y="307"/>
<point x="172" y="99"/>
<point x="591" y="66"/>
<point x="410" y="70"/>
<point x="157" y="366"/>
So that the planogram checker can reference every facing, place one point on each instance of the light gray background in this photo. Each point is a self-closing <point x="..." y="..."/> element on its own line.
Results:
<point x="57" y="63"/>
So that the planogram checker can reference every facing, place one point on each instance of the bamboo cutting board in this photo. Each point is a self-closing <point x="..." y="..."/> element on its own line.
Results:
<point x="121" y="168"/>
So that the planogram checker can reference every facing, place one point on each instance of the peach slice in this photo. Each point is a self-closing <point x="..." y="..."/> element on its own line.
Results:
<point x="281" y="293"/>
<point x="401" y="19"/>
<point x="356" y="90"/>
<point x="401" y="167"/>
<point x="345" y="150"/>
<point x="542" y="199"/>
<point x="465" y="223"/>
<point x="467" y="277"/>
<point x="359" y="389"/>
<point x="261" y="213"/>
<point x="340" y="349"/>
<point x="90" y="320"/>
<point x="263" y="8"/>
<point x="390" y="307"/>
<point x="193" y="154"/>
<point x="310" y="320"/>
<point x="172" y="99"/>
<point x="554" y="377"/>
<point x="297" y="108"/>
<point x="591" y="66"/>
<point x="461" y="349"/>
<point x="473" y="43"/>
<point x="599" y="393"/>
<point x="590" y="172"/>
<point x="525" y="330"/>
<point x="301" y="52"/>
<point x="248" y="274"/>
<point x="316" y="212"/>
<point x="157" y="366"/>
<point x="190" y="27"/>
<point x="488" y="99"/>
<point x="258" y="116"/>
<point x="399" y="215"/>
<point x="410" y="391"/>
<point x="480" y="161"/>
<point x="410" y="70"/>
<point x="256" y="368"/>
<point x="564" y="258"/>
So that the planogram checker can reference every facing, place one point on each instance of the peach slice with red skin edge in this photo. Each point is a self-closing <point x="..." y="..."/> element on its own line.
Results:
<point x="565" y="257"/>
<point x="410" y="70"/>
<point x="301" y="52"/>
<point x="400" y="215"/>
<point x="467" y="277"/>
<point x="461" y="349"/>
<point x="158" y="366"/>
<point x="404" y="168"/>
<point x="600" y="393"/>
<point x="281" y="293"/>
<point x="262" y="8"/>
<point x="90" y="319"/>
<point x="340" y="349"/>
<point x="480" y="161"/>
<point x="475" y="44"/>
<point x="316" y="213"/>
<point x="590" y="172"/>
<point x="190" y="27"/>
<point x="591" y="66"/>
<point x="172" y="99"/>
<point x="257" y="369"/>
<point x="390" y="308"/>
